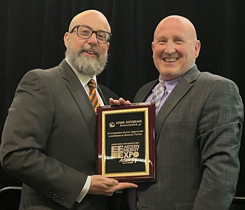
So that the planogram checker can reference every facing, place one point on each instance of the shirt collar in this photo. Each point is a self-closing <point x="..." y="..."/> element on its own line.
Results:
<point x="170" y="84"/>
<point x="84" y="78"/>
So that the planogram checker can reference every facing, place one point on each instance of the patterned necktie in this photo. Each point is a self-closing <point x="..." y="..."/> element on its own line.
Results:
<point x="92" y="94"/>
<point x="157" y="95"/>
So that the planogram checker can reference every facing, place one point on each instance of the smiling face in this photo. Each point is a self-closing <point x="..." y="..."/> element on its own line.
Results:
<point x="87" y="55"/>
<point x="175" y="47"/>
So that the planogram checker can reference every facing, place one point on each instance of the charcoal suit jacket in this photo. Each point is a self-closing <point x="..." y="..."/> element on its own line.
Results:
<point x="49" y="140"/>
<point x="198" y="134"/>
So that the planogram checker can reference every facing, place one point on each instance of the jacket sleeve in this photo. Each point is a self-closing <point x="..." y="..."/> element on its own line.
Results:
<point x="24" y="142"/>
<point x="220" y="130"/>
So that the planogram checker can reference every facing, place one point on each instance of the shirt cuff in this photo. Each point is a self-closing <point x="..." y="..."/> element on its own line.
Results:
<point x="85" y="189"/>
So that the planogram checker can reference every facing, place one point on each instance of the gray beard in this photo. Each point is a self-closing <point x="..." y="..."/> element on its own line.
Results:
<point x="86" y="65"/>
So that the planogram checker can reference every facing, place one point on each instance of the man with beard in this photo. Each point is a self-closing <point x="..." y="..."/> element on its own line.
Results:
<point x="49" y="137"/>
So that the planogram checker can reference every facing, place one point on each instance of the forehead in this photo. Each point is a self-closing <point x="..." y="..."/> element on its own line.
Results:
<point x="174" y="27"/>
<point x="94" y="20"/>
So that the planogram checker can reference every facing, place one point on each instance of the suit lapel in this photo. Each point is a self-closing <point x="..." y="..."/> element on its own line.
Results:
<point x="102" y="95"/>
<point x="79" y="95"/>
<point x="145" y="91"/>
<point x="180" y="90"/>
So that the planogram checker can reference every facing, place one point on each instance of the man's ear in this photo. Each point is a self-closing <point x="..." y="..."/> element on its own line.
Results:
<point x="66" y="39"/>
<point x="108" y="45"/>
<point x="197" y="48"/>
<point x="152" y="46"/>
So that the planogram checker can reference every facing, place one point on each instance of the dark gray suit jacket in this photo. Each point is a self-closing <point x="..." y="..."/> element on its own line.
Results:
<point x="198" y="133"/>
<point x="49" y="140"/>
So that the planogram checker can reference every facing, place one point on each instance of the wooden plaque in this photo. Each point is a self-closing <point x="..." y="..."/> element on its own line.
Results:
<point x="126" y="142"/>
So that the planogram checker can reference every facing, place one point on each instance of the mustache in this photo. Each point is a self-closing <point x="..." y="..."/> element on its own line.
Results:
<point x="90" y="49"/>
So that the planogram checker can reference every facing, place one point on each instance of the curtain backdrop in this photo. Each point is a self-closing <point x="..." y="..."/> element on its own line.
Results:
<point x="32" y="37"/>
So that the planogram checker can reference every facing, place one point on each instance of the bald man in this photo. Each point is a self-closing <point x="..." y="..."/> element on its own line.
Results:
<point x="49" y="137"/>
<point x="198" y="127"/>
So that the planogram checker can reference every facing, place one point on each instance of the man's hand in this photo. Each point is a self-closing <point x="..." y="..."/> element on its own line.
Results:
<point x="119" y="102"/>
<point x="101" y="185"/>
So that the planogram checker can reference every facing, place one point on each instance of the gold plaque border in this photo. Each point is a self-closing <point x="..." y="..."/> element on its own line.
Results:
<point x="146" y="172"/>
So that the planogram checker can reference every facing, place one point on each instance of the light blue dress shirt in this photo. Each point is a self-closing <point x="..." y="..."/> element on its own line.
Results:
<point x="169" y="86"/>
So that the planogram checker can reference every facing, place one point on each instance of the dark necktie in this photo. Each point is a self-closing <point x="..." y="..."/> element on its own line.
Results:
<point x="92" y="94"/>
<point x="157" y="95"/>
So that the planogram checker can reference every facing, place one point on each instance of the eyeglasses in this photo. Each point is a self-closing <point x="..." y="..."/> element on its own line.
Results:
<point x="86" y="32"/>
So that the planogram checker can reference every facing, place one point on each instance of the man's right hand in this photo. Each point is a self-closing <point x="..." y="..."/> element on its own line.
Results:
<point x="119" y="102"/>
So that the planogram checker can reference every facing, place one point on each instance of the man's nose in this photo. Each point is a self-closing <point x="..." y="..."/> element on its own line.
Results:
<point x="93" y="38"/>
<point x="170" y="47"/>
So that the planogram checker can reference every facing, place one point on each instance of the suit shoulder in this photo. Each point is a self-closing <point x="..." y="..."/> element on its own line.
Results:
<point x="44" y="72"/>
<point x="207" y="76"/>
<point x="46" y="76"/>
<point x="212" y="80"/>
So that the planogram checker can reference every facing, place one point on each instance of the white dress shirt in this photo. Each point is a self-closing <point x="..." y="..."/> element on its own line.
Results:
<point x="84" y="79"/>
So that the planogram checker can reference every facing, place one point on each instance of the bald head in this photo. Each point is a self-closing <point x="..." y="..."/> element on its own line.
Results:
<point x="179" y="22"/>
<point x="88" y="16"/>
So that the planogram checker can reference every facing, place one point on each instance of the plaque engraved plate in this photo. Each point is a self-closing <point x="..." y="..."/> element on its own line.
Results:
<point x="126" y="142"/>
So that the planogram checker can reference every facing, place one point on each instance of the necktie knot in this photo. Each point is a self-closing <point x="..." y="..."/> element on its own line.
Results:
<point x="91" y="85"/>
<point x="92" y="94"/>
